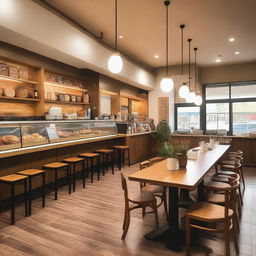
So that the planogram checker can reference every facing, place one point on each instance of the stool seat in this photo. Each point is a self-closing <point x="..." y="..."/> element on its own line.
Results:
<point x="105" y="151"/>
<point x="12" y="178"/>
<point x="89" y="155"/>
<point x="121" y="147"/>
<point x="31" y="172"/>
<point x="55" y="165"/>
<point x="72" y="160"/>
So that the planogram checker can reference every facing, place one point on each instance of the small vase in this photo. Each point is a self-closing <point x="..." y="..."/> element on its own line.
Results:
<point x="172" y="164"/>
<point x="183" y="161"/>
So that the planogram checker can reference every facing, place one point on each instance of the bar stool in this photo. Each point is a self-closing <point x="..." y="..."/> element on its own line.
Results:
<point x="90" y="157"/>
<point x="107" y="156"/>
<point x="57" y="166"/>
<point x="12" y="180"/>
<point x="73" y="161"/>
<point x="120" y="152"/>
<point x="32" y="173"/>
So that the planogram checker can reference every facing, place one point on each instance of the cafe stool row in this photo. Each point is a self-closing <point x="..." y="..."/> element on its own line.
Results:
<point x="101" y="159"/>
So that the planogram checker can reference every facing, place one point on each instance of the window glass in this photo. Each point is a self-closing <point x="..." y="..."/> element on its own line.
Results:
<point x="243" y="90"/>
<point x="217" y="116"/>
<point x="217" y="92"/>
<point x="244" y="117"/>
<point x="188" y="117"/>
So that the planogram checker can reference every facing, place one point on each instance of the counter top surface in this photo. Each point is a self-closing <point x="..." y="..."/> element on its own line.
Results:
<point x="212" y="136"/>
<point x="139" y="133"/>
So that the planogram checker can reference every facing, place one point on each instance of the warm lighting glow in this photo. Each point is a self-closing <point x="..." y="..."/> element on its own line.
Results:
<point x="237" y="52"/>
<point x="115" y="63"/>
<point x="232" y="39"/>
<point x="183" y="91"/>
<point x="6" y="6"/>
<point x="120" y="37"/>
<point x="198" y="100"/>
<point x="218" y="60"/>
<point x="156" y="56"/>
<point x="191" y="97"/>
<point x="166" y="84"/>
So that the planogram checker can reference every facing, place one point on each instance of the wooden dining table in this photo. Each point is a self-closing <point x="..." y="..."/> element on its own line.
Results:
<point x="189" y="178"/>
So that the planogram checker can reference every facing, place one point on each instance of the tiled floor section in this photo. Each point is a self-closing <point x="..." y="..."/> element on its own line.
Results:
<point x="89" y="223"/>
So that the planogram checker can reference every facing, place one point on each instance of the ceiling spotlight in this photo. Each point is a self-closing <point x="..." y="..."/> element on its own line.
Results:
<point x="156" y="56"/>
<point x="237" y="52"/>
<point x="232" y="39"/>
<point x="218" y="60"/>
<point x="120" y="37"/>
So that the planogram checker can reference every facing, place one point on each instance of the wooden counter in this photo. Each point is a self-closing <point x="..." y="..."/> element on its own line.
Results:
<point x="245" y="144"/>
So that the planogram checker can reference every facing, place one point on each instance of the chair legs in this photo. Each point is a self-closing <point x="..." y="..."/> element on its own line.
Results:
<point x="126" y="224"/>
<point x="227" y="242"/>
<point x="154" y="207"/>
<point x="188" y="236"/>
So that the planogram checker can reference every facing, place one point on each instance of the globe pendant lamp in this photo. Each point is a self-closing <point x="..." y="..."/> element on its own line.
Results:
<point x="115" y="62"/>
<point x="183" y="91"/>
<point x="198" y="99"/>
<point x="166" y="83"/>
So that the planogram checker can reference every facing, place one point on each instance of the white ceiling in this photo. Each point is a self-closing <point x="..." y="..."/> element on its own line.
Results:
<point x="210" y="23"/>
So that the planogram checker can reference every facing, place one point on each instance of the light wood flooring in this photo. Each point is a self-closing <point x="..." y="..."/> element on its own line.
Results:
<point x="89" y="223"/>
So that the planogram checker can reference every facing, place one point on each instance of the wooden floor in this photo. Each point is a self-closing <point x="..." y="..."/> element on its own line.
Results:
<point x="89" y="222"/>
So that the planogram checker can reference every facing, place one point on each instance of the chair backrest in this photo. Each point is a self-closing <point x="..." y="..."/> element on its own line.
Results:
<point x="155" y="160"/>
<point x="144" y="164"/>
<point x="124" y="187"/>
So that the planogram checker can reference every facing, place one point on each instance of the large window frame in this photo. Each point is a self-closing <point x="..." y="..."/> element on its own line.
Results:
<point x="230" y="101"/>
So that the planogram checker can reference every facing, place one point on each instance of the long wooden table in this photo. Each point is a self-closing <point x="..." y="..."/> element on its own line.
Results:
<point x="190" y="178"/>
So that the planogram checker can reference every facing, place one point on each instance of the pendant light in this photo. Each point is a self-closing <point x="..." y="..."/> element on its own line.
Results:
<point x="183" y="91"/>
<point x="191" y="96"/>
<point x="115" y="62"/>
<point x="198" y="98"/>
<point x="166" y="83"/>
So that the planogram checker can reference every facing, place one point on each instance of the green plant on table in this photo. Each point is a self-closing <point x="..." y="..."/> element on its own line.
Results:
<point x="181" y="150"/>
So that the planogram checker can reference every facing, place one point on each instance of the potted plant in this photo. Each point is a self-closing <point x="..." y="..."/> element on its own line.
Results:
<point x="181" y="154"/>
<point x="166" y="149"/>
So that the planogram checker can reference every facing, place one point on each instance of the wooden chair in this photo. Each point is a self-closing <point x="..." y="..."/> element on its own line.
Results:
<point x="138" y="200"/>
<point x="155" y="160"/>
<point x="158" y="191"/>
<point x="119" y="152"/>
<point x="214" y="214"/>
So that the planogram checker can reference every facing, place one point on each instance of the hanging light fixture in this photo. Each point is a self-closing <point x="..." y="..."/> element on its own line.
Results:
<point x="198" y="98"/>
<point x="191" y="96"/>
<point x="115" y="62"/>
<point x="183" y="91"/>
<point x="166" y="83"/>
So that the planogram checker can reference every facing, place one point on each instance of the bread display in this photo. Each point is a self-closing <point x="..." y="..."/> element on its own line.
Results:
<point x="13" y="71"/>
<point x="9" y="92"/>
<point x="73" y="98"/>
<point x="33" y="138"/>
<point x="4" y="69"/>
<point x="23" y="73"/>
<point x="66" y="98"/>
<point x="64" y="134"/>
<point x="9" y="139"/>
<point x="85" y="131"/>
<point x="21" y="92"/>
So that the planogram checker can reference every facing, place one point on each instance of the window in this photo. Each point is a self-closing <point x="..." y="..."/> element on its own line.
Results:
<point x="217" y="116"/>
<point x="243" y="90"/>
<point x="244" y="117"/>
<point x="217" y="91"/>
<point x="188" y="117"/>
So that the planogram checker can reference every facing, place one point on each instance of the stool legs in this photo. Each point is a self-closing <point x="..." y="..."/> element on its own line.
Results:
<point x="112" y="163"/>
<point x="98" y="166"/>
<point x="83" y="173"/>
<point x="68" y="178"/>
<point x="91" y="169"/>
<point x="74" y="177"/>
<point x="25" y="197"/>
<point x="56" y="183"/>
<point x="29" y="195"/>
<point x="129" y="163"/>
<point x="43" y="190"/>
<point x="12" y="204"/>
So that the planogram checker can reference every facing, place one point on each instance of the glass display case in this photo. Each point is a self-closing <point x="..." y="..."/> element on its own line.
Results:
<point x="14" y="135"/>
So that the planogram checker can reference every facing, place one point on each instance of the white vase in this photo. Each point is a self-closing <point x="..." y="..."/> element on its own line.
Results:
<point x="172" y="164"/>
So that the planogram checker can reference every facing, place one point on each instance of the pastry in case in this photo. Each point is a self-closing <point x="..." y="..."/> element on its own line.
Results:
<point x="9" y="137"/>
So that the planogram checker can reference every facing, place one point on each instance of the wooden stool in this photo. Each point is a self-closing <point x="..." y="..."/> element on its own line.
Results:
<point x="12" y="180"/>
<point x="107" y="156"/>
<point x="57" y="166"/>
<point x="120" y="152"/>
<point x="89" y="157"/>
<point x="32" y="173"/>
<point x="72" y="161"/>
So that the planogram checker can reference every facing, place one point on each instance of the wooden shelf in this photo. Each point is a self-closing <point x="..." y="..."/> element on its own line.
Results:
<point x="17" y="80"/>
<point x="66" y="86"/>
<point x="66" y="102"/>
<point x="19" y="99"/>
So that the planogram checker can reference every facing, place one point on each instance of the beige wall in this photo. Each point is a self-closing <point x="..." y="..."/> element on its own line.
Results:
<point x="229" y="73"/>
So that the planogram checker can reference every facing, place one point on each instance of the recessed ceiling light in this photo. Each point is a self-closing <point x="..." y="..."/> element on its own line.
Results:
<point x="120" y="37"/>
<point x="237" y="52"/>
<point x="218" y="60"/>
<point x="156" y="56"/>
<point x="231" y="39"/>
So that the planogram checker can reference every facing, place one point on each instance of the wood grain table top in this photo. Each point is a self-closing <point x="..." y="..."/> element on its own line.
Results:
<point x="188" y="178"/>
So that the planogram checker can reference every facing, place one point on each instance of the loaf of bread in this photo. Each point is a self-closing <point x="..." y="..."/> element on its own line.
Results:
<point x="21" y="92"/>
<point x="9" y="139"/>
<point x="64" y="134"/>
<point x="9" y="92"/>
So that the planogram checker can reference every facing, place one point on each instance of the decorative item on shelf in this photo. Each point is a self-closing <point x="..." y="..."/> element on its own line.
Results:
<point x="13" y="71"/>
<point x="9" y="92"/>
<point x="21" y="92"/>
<point x="61" y="97"/>
<point x="86" y="98"/>
<point x="59" y="79"/>
<point x="67" y="98"/>
<point x="4" y="71"/>
<point x="115" y="62"/>
<point x="79" y="98"/>
<point x="30" y="95"/>
<point x="36" y="94"/>
<point x="23" y="73"/>
<point x="73" y="98"/>
<point x="181" y="154"/>
<point x="166" y="83"/>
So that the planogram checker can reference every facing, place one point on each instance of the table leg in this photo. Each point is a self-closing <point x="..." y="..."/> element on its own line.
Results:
<point x="200" y="191"/>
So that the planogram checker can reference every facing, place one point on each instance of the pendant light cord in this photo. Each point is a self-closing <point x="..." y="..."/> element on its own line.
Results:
<point x="195" y="49"/>
<point x="182" y="48"/>
<point x="167" y="3"/>
<point x="116" y="25"/>
<point x="189" y="53"/>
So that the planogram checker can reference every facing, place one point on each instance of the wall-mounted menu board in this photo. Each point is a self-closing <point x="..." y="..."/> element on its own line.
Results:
<point x="163" y="108"/>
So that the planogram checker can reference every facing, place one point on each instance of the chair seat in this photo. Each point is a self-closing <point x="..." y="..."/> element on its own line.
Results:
<point x="31" y="172"/>
<point x="216" y="198"/>
<point x="208" y="212"/>
<point x="220" y="178"/>
<point x="228" y="166"/>
<point x="216" y="185"/>
<point x="55" y="165"/>
<point x="121" y="147"/>
<point x="141" y="197"/>
<point x="105" y="151"/>
<point x="12" y="178"/>
<point x="89" y="155"/>
<point x="230" y="173"/>
<point x="72" y="160"/>
<point x="153" y="188"/>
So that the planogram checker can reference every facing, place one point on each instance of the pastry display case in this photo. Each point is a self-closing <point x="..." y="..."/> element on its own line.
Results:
<point x="15" y="135"/>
